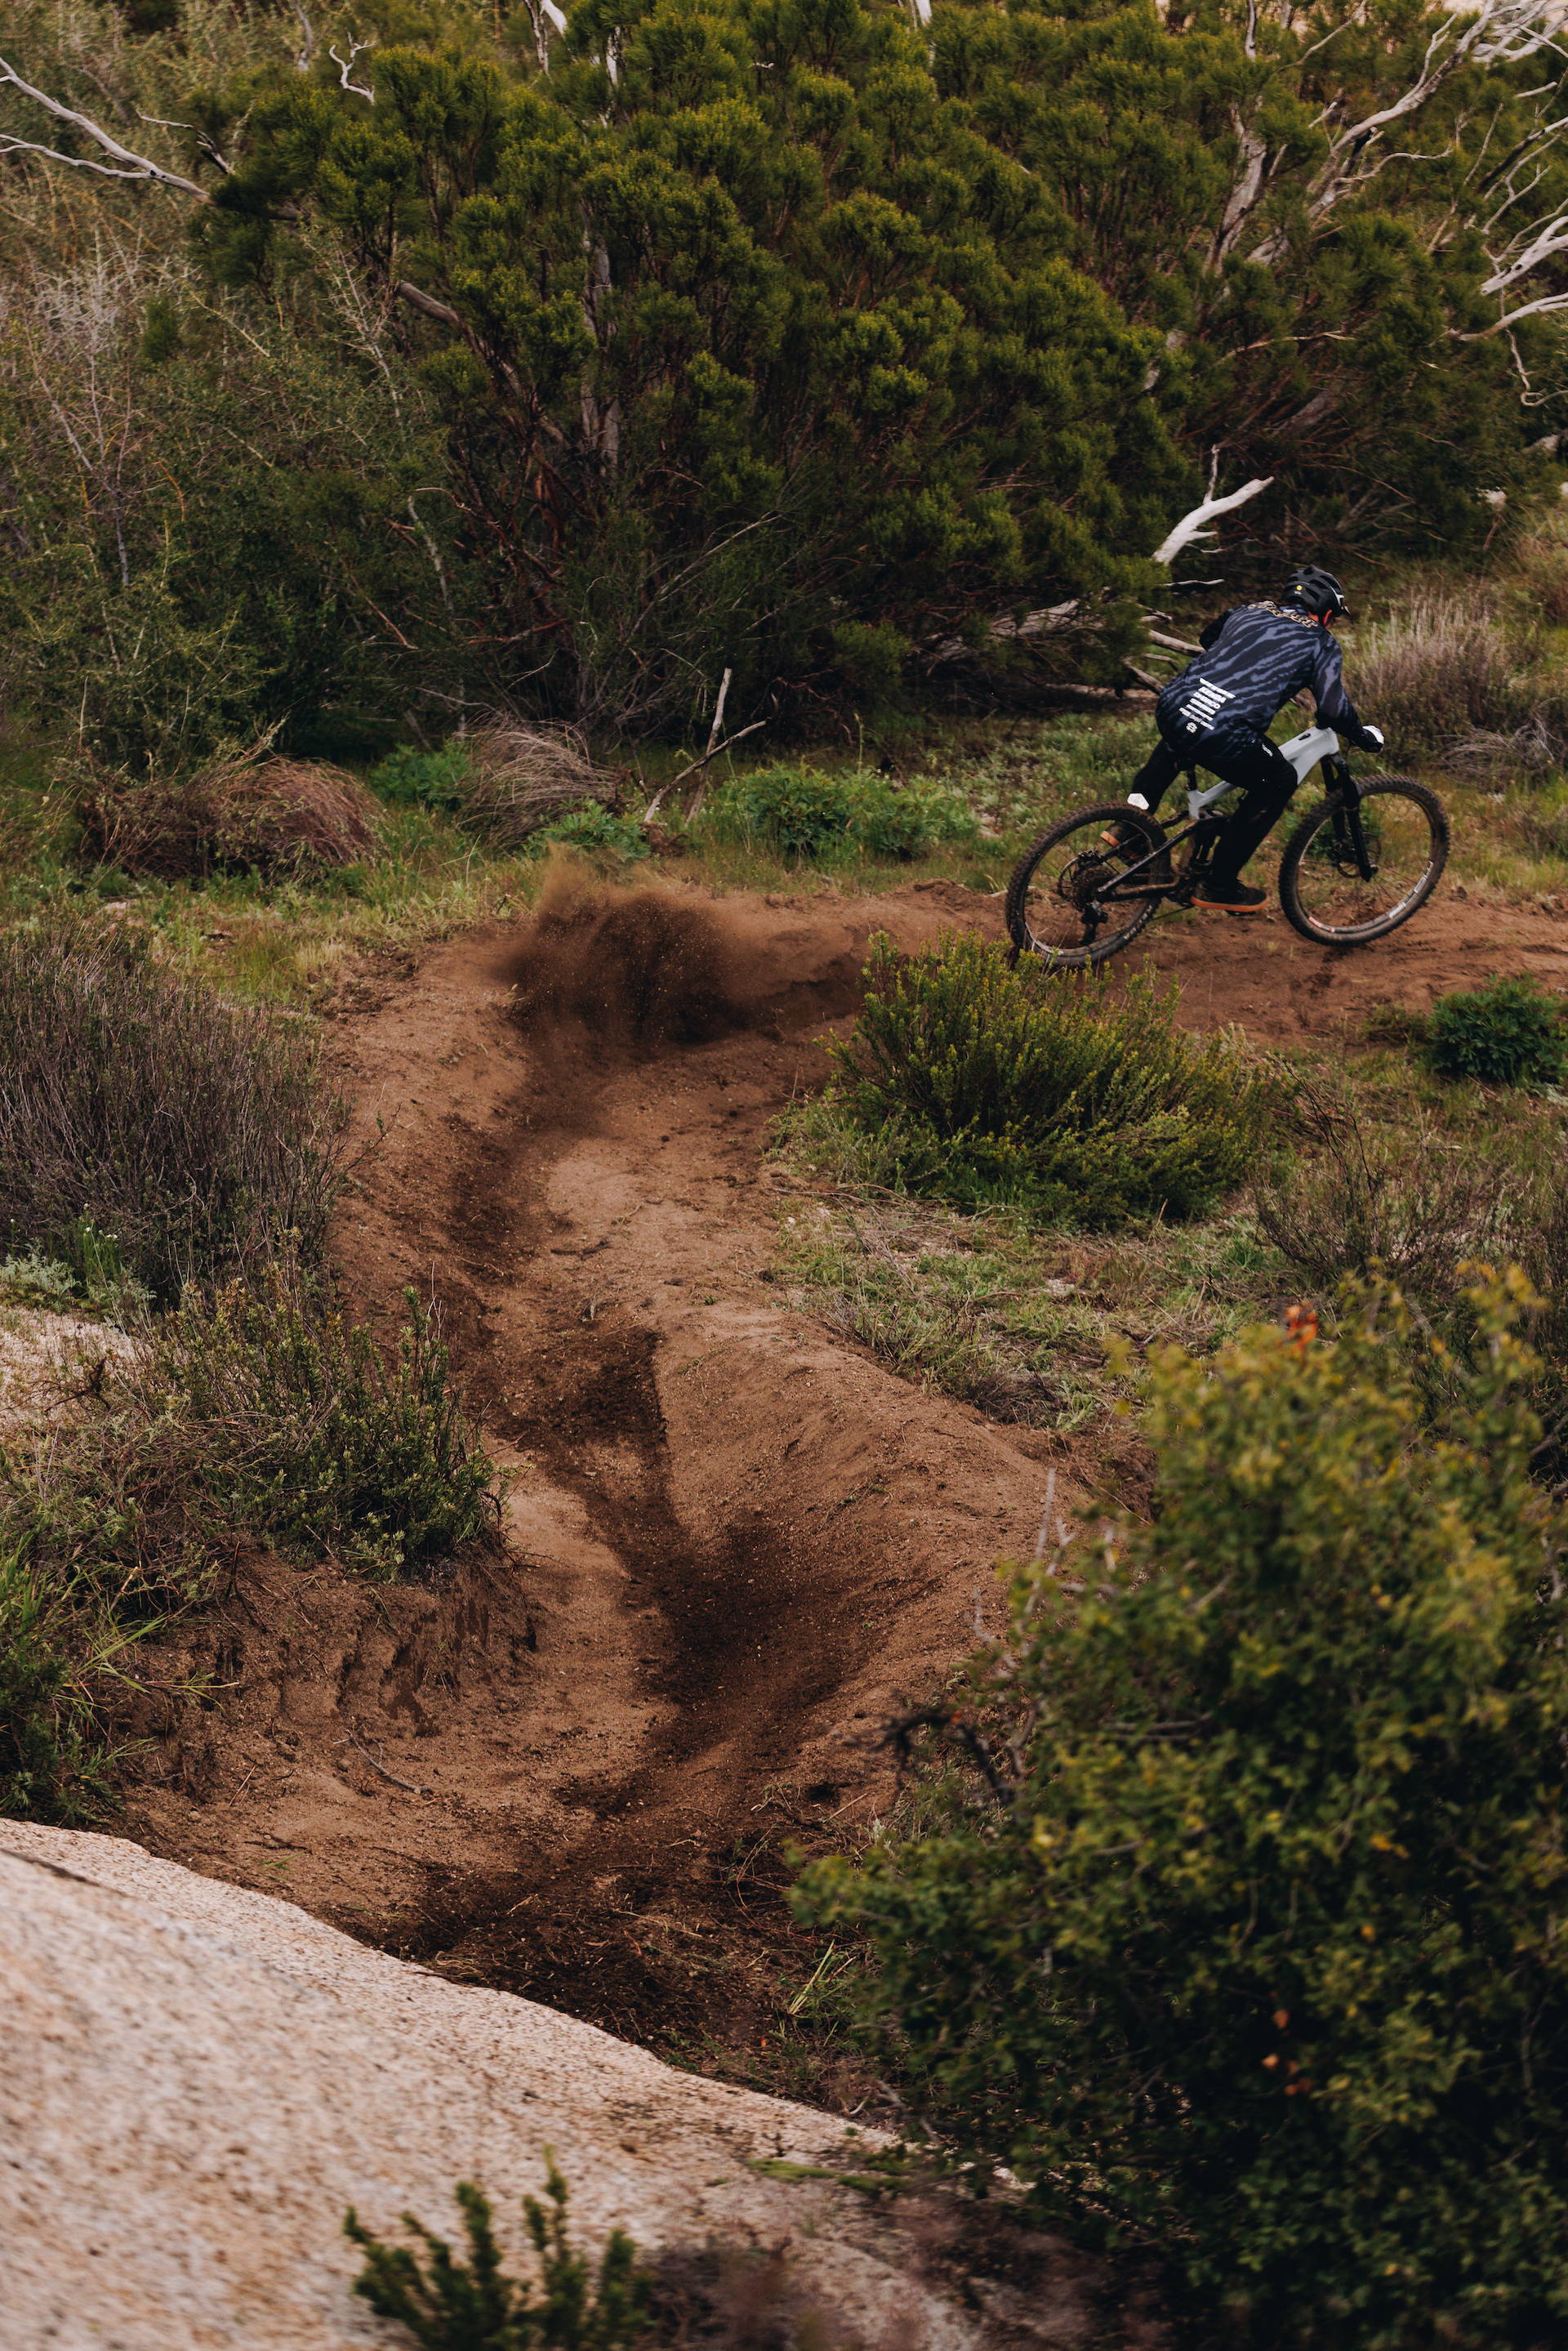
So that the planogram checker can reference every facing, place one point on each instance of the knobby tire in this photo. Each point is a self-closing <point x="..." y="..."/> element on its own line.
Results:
<point x="1100" y="816"/>
<point x="1300" y="843"/>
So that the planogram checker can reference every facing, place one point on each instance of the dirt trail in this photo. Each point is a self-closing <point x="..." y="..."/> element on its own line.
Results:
<point x="736" y="1545"/>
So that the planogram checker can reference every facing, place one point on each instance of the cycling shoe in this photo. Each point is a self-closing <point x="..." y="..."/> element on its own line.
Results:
<point x="1230" y="898"/>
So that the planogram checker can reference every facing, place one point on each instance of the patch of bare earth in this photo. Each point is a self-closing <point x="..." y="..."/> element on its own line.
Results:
<point x="734" y="1544"/>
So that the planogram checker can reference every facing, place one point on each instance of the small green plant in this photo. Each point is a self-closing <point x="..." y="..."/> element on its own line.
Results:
<point x="30" y="1278"/>
<point x="53" y="1760"/>
<point x="595" y="831"/>
<point x="1507" y="1033"/>
<point x="1229" y="1912"/>
<point x="451" y="2305"/>
<point x="988" y="1086"/>
<point x="427" y="779"/>
<point x="806" y="815"/>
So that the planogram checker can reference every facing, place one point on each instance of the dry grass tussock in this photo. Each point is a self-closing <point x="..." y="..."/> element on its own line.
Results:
<point x="1440" y="670"/>
<point x="242" y="813"/>
<point x="189" y="1134"/>
<point x="522" y="776"/>
<point x="1539" y="565"/>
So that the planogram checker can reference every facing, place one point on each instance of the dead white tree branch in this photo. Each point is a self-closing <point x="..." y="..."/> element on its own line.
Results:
<point x="125" y="164"/>
<point x="357" y="48"/>
<point x="1536" y="310"/>
<point x="1541" y="241"/>
<point x="1243" y="197"/>
<point x="1194" y="526"/>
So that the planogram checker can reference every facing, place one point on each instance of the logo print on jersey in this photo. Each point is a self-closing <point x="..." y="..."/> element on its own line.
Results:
<point x="1202" y="709"/>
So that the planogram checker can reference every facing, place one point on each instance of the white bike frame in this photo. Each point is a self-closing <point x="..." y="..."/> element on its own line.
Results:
<point x="1304" y="751"/>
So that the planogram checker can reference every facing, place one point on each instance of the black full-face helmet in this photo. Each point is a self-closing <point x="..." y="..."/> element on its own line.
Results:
<point x="1319" y="591"/>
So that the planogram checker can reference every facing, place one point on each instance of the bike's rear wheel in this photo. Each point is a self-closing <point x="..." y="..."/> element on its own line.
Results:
<point x="1323" y="891"/>
<point x="1054" y="906"/>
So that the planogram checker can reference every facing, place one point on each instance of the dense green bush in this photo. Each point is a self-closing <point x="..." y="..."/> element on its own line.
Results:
<point x="597" y="832"/>
<point x="844" y="343"/>
<point x="995" y="1085"/>
<point x="189" y="1133"/>
<point x="805" y="814"/>
<point x="1237" y="1927"/>
<point x="428" y="780"/>
<point x="1509" y="1033"/>
<point x="456" y="2305"/>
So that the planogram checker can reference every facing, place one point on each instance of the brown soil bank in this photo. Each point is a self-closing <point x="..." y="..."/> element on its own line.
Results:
<point x="736" y="1545"/>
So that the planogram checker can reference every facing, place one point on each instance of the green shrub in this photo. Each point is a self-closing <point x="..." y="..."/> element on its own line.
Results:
<point x="258" y="1414"/>
<point x="595" y="831"/>
<point x="301" y="1431"/>
<point x="450" y="2304"/>
<point x="428" y="780"/>
<point x="990" y="1085"/>
<point x="804" y="815"/>
<point x="1509" y="1033"/>
<point x="1240" y="1929"/>
<point x="189" y="1133"/>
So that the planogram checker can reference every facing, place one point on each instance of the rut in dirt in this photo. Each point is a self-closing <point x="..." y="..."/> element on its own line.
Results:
<point x="598" y="1243"/>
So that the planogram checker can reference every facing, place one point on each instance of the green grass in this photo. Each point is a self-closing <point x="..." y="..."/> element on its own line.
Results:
<point x="1044" y="1330"/>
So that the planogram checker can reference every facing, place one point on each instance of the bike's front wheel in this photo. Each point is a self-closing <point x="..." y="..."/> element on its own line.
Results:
<point x="1323" y="890"/>
<point x="1062" y="901"/>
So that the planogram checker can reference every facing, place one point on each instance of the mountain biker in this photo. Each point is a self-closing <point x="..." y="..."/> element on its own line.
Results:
<point x="1217" y="713"/>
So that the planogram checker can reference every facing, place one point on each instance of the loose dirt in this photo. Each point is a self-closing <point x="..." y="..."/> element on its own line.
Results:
<point x="733" y="1545"/>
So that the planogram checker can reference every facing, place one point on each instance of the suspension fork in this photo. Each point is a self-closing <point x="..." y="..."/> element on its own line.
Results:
<point x="1347" y="821"/>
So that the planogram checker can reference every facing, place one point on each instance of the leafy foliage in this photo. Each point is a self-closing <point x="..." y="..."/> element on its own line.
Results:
<point x="430" y="779"/>
<point x="294" y="1427"/>
<point x="1510" y="1033"/>
<point x="792" y="336"/>
<point x="803" y="814"/>
<point x="451" y="2305"/>
<point x="1244" y="1935"/>
<point x="595" y="831"/>
<point x="784" y="337"/>
<point x="189" y="1133"/>
<point x="991" y="1084"/>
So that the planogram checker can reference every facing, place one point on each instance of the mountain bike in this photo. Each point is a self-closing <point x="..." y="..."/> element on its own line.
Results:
<point x="1366" y="859"/>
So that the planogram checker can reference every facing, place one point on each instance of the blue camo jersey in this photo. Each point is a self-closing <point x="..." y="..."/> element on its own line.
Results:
<point x="1255" y="659"/>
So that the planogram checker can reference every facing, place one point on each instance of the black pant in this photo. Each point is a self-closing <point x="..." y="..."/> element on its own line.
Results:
<point x="1241" y="756"/>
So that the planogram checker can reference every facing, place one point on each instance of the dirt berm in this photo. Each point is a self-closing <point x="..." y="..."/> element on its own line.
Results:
<point x="735" y="1544"/>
